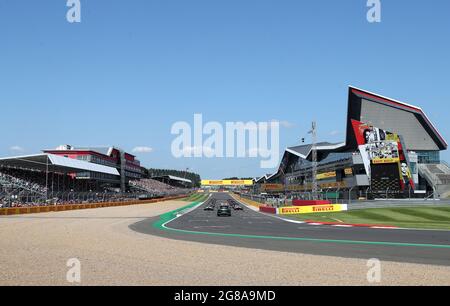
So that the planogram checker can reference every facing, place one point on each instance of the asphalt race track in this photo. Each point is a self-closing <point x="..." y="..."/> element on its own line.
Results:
<point x="252" y="229"/>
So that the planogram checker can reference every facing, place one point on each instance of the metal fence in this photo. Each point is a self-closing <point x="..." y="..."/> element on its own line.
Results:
<point x="64" y="198"/>
<point x="343" y="196"/>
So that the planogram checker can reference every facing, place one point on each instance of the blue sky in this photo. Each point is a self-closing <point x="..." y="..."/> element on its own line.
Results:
<point x="131" y="69"/>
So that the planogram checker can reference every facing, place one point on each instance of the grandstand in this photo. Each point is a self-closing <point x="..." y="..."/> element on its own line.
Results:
<point x="77" y="175"/>
<point x="156" y="188"/>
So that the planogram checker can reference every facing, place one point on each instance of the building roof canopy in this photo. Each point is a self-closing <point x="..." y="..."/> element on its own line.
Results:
<point x="55" y="163"/>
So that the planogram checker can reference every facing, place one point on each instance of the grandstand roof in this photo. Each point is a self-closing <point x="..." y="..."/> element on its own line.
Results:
<point x="272" y="175"/>
<point x="304" y="151"/>
<point x="409" y="126"/>
<point x="173" y="178"/>
<point x="55" y="163"/>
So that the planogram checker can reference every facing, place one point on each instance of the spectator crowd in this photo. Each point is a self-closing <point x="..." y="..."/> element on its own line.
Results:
<point x="22" y="188"/>
<point x="156" y="187"/>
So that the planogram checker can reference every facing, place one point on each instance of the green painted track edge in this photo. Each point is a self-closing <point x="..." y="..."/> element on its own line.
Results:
<point x="170" y="216"/>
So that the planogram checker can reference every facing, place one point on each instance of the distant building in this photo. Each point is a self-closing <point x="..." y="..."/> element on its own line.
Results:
<point x="391" y="149"/>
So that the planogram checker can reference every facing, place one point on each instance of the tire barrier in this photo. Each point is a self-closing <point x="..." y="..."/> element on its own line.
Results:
<point x="57" y="208"/>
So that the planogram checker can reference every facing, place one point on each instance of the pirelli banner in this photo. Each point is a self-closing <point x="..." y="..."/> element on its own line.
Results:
<point x="327" y="175"/>
<point x="296" y="210"/>
<point x="227" y="182"/>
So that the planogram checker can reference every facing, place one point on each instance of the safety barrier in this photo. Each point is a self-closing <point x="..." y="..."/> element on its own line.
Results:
<point x="58" y="208"/>
<point x="310" y="202"/>
<point x="267" y="209"/>
<point x="295" y="210"/>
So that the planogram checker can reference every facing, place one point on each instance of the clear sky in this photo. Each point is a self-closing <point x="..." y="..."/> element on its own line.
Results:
<point x="131" y="69"/>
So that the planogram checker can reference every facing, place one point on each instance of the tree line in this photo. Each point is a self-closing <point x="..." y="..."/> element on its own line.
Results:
<point x="194" y="177"/>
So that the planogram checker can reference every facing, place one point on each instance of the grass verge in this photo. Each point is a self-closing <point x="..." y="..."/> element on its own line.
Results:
<point x="432" y="217"/>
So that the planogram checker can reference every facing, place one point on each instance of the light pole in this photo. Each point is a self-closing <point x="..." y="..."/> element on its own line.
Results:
<point x="315" y="186"/>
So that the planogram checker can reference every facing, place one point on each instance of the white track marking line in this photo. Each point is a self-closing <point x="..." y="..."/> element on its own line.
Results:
<point x="273" y="216"/>
<point x="200" y="227"/>
<point x="292" y="221"/>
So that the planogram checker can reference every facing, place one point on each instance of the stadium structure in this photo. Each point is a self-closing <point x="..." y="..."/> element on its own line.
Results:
<point x="86" y="173"/>
<point x="392" y="150"/>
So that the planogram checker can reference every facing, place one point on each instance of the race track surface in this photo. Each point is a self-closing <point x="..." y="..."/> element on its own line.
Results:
<point x="252" y="229"/>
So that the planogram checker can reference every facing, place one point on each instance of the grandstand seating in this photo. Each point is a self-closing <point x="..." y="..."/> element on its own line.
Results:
<point x="156" y="187"/>
<point x="21" y="187"/>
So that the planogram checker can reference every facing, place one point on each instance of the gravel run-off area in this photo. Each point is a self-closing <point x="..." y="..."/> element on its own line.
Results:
<point x="34" y="250"/>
